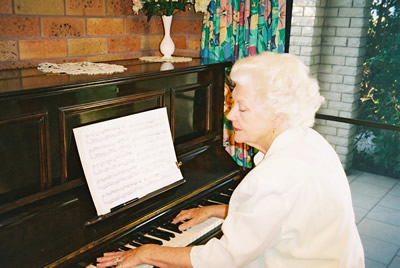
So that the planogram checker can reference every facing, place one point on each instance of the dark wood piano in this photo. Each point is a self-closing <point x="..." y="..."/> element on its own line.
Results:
<point x="47" y="216"/>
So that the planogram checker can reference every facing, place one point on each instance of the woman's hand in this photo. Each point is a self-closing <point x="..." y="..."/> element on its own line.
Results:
<point x="198" y="215"/>
<point x="149" y="254"/>
<point x="119" y="259"/>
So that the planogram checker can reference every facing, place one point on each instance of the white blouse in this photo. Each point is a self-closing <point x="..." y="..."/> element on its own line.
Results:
<point x="293" y="210"/>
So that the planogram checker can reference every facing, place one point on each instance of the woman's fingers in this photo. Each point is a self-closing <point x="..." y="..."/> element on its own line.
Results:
<point x="109" y="259"/>
<point x="191" y="217"/>
<point x="182" y="216"/>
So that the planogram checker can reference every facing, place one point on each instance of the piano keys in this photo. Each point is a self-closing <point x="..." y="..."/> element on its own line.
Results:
<point x="165" y="233"/>
<point x="46" y="211"/>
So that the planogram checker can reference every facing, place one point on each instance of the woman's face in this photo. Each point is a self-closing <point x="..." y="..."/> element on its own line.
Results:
<point x="251" y="120"/>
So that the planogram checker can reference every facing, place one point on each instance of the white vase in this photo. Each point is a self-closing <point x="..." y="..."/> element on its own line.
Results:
<point x="167" y="46"/>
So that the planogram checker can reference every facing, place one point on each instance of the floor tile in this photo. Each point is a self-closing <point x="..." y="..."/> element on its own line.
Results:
<point x="379" y="230"/>
<point x="360" y="213"/>
<point x="385" y="215"/>
<point x="367" y="188"/>
<point x="373" y="264"/>
<point x="390" y="201"/>
<point x="396" y="190"/>
<point x="376" y="202"/>
<point x="364" y="201"/>
<point x="353" y="174"/>
<point x="377" y="180"/>
<point x="395" y="263"/>
<point x="378" y="251"/>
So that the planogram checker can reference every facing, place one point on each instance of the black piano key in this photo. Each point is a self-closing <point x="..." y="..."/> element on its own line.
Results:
<point x="81" y="265"/>
<point x="135" y="244"/>
<point x="207" y="203"/>
<point x="140" y="238"/>
<point x="221" y="198"/>
<point x="123" y="248"/>
<point x="125" y="240"/>
<point x="192" y="206"/>
<point x="161" y="234"/>
<point x="227" y="192"/>
<point x="171" y="227"/>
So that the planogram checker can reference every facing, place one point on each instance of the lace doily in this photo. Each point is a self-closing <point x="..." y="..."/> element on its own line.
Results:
<point x="161" y="59"/>
<point x="80" y="68"/>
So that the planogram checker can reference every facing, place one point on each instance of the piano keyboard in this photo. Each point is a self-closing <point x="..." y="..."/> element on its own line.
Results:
<point x="168" y="234"/>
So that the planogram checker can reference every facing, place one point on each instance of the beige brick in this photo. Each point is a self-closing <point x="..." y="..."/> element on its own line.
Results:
<point x="42" y="49"/>
<point x="18" y="27"/>
<point x="87" y="46"/>
<point x="124" y="44"/>
<point x="119" y="7"/>
<point x="194" y="43"/>
<point x="39" y="7"/>
<point x="5" y="7"/>
<point x="149" y="42"/>
<point x="62" y="27"/>
<point x="85" y="7"/>
<point x="140" y="25"/>
<point x="100" y="26"/>
<point x="8" y="50"/>
<point x="183" y="25"/>
<point x="180" y="42"/>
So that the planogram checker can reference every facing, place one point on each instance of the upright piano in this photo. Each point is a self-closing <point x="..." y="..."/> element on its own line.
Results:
<point x="48" y="218"/>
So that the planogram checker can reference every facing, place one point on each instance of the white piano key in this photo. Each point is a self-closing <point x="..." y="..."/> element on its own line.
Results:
<point x="183" y="239"/>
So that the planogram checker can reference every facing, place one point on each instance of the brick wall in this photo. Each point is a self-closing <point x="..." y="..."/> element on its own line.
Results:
<point x="330" y="36"/>
<point x="34" y="31"/>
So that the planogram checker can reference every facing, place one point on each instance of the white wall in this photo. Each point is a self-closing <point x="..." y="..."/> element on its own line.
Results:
<point x="330" y="37"/>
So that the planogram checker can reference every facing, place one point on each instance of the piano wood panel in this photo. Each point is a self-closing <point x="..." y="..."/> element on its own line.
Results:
<point x="89" y="113"/>
<point x="47" y="224"/>
<point x="27" y="137"/>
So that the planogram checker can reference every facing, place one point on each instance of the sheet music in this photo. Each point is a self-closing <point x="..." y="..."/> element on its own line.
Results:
<point x="127" y="157"/>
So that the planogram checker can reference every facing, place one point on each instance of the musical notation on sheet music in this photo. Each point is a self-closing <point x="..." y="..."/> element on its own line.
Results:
<point x="127" y="158"/>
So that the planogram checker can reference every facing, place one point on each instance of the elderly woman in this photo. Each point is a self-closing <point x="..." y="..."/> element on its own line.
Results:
<point x="294" y="208"/>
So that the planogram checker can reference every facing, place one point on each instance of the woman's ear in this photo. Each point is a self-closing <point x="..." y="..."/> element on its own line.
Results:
<point x="280" y="121"/>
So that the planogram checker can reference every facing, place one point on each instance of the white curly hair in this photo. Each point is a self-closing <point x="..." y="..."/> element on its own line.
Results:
<point x="283" y="84"/>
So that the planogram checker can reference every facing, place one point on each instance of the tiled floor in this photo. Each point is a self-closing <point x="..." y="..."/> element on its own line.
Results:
<point x="376" y="201"/>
